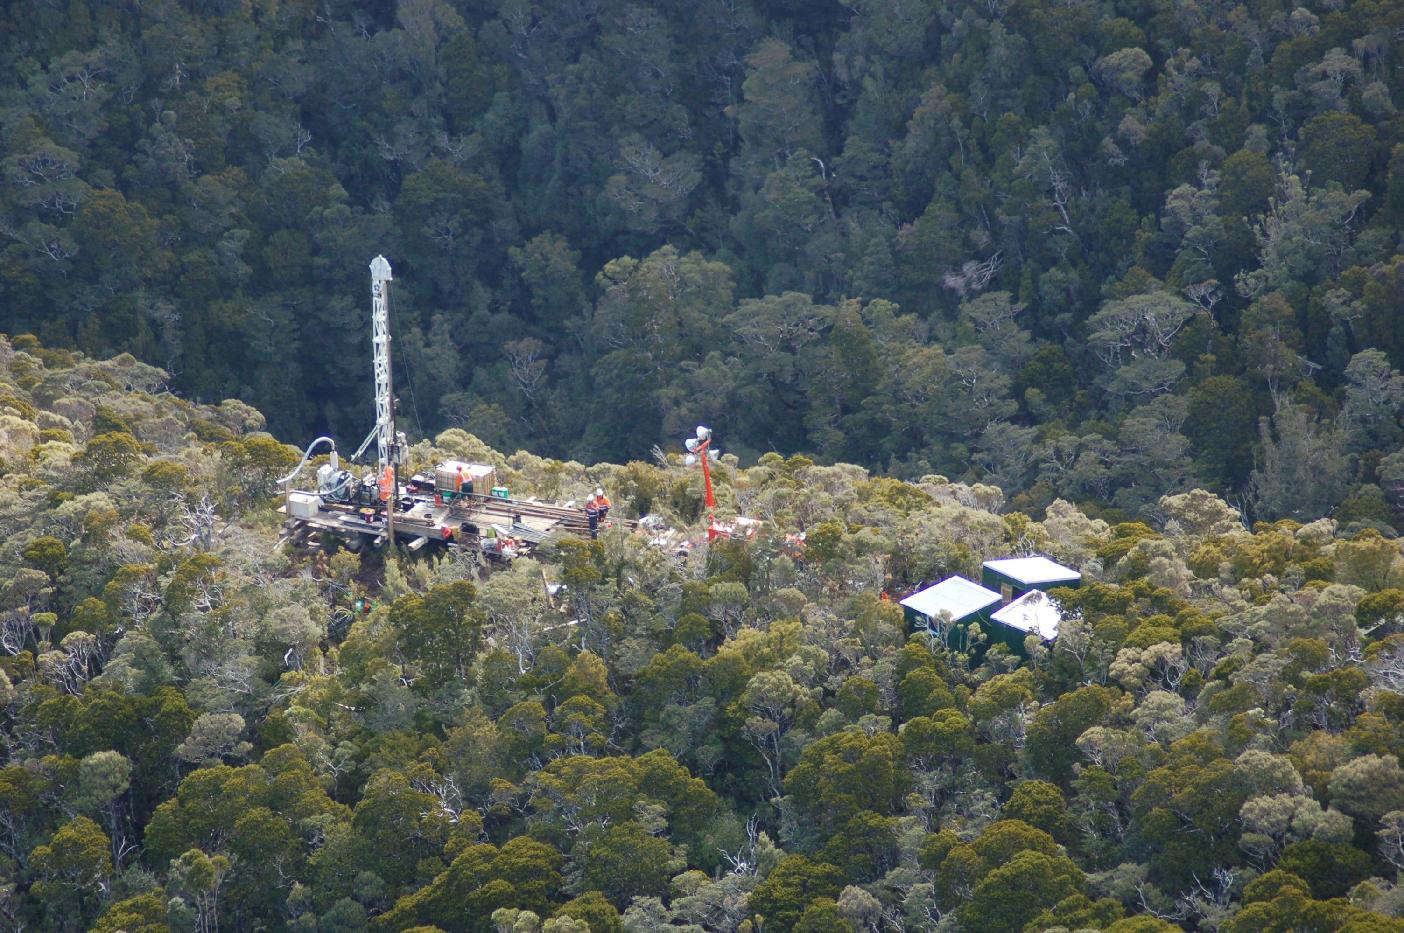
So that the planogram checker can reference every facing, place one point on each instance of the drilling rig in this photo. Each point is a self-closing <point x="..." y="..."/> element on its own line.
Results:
<point x="375" y="509"/>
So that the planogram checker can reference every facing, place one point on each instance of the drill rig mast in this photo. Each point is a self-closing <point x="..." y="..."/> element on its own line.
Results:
<point x="385" y="447"/>
<point x="389" y="446"/>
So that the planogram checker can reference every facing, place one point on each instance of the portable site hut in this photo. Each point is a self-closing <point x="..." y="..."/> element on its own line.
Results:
<point x="1034" y="613"/>
<point x="1012" y="577"/>
<point x="948" y="608"/>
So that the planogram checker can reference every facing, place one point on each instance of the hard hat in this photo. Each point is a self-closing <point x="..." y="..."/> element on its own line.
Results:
<point x="599" y="491"/>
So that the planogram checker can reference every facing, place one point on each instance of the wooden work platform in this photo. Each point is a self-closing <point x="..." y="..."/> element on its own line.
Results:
<point x="473" y="520"/>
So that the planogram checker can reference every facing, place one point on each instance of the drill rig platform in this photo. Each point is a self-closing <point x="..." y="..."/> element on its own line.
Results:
<point x="500" y="528"/>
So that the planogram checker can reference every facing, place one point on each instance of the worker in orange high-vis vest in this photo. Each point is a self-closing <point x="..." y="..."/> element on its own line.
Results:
<point x="458" y="483"/>
<point x="596" y="510"/>
<point x="387" y="484"/>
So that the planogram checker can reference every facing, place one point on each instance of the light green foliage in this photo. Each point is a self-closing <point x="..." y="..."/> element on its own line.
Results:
<point x="208" y="736"/>
<point x="438" y="633"/>
<point x="779" y="113"/>
<point x="145" y="913"/>
<point x="1005" y="877"/>
<point x="1303" y="468"/>
<point x="844" y="773"/>
<point x="213" y="737"/>
<point x="790" y="888"/>
<point x="103" y="776"/>
<point x="108" y="457"/>
<point x="1368" y="787"/>
<point x="399" y="825"/>
<point x="1002" y="706"/>
<point x="1012" y="894"/>
<point x="624" y="862"/>
<point x="1041" y="805"/>
<point x="72" y="871"/>
<point x="195" y="881"/>
<point x="480" y="880"/>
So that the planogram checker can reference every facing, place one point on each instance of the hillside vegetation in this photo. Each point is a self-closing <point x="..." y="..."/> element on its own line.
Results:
<point x="1074" y="249"/>
<point x="202" y="731"/>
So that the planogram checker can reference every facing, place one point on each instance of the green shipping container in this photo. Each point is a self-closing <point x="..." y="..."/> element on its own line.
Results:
<point x="1012" y="577"/>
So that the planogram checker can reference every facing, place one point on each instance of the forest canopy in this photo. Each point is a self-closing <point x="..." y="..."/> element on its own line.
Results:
<point x="1021" y="243"/>
<point x="1115" y="282"/>
<point x="206" y="730"/>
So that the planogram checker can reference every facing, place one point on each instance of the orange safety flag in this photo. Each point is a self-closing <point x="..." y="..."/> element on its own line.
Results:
<point x="387" y="484"/>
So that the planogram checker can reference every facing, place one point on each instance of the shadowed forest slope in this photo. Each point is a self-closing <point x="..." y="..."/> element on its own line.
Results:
<point x="1073" y="249"/>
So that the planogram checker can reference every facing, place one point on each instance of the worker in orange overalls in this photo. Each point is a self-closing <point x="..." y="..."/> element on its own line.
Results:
<point x="597" y="510"/>
<point x="458" y="483"/>
<point x="387" y="484"/>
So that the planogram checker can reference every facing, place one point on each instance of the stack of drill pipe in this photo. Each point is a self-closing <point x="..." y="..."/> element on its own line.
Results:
<point x="571" y="519"/>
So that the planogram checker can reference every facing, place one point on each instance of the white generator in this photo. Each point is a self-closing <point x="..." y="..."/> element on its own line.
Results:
<point x="303" y="505"/>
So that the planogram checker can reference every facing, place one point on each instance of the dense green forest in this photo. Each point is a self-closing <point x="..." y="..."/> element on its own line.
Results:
<point x="1120" y="283"/>
<point x="203" y="731"/>
<point x="1072" y="248"/>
